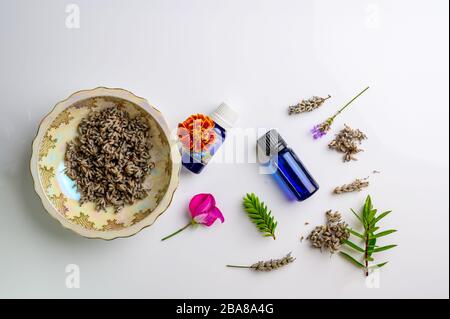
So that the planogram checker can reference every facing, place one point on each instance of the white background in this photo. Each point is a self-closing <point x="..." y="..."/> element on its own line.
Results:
<point x="259" y="56"/>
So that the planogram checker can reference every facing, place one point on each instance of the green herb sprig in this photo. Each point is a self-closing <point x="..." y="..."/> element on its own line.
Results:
<point x="259" y="214"/>
<point x="369" y="219"/>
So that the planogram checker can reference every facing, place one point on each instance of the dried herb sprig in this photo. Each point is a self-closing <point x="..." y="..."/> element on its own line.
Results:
<point x="331" y="235"/>
<point x="258" y="213"/>
<point x="321" y="129"/>
<point x="268" y="265"/>
<point x="369" y="219"/>
<point x="347" y="141"/>
<point x="307" y="105"/>
<point x="355" y="186"/>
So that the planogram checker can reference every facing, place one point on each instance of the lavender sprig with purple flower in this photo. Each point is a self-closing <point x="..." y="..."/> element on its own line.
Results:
<point x="321" y="129"/>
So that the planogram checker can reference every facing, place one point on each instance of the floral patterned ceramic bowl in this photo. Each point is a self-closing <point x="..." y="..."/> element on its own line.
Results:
<point x="58" y="192"/>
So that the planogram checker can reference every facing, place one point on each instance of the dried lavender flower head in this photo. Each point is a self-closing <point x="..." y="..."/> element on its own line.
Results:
<point x="269" y="265"/>
<point x="307" y="105"/>
<point x="355" y="186"/>
<point x="110" y="158"/>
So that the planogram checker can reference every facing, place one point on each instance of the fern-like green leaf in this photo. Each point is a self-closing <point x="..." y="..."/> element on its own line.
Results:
<point x="260" y="215"/>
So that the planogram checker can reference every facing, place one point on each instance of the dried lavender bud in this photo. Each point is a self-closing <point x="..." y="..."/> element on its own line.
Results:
<point x="110" y="158"/>
<point x="355" y="186"/>
<point x="331" y="235"/>
<point x="307" y="105"/>
<point x="347" y="141"/>
<point x="268" y="265"/>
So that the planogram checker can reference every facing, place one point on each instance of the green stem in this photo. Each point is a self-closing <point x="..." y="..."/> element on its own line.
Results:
<point x="350" y="102"/>
<point x="234" y="266"/>
<point x="178" y="231"/>
<point x="366" y="254"/>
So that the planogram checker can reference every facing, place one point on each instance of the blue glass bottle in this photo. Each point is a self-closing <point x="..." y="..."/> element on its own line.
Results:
<point x="286" y="167"/>
<point x="197" y="161"/>
<point x="223" y="118"/>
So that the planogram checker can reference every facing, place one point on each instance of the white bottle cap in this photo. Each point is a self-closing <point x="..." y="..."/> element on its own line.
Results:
<point x="225" y="116"/>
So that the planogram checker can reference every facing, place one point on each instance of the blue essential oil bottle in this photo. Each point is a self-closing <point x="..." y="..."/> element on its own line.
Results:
<point x="283" y="163"/>
<point x="201" y="136"/>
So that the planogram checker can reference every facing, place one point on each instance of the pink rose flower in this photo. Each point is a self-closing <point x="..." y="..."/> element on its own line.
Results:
<point x="203" y="210"/>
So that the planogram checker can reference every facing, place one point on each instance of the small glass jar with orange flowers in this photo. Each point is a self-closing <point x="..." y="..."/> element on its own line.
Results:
<point x="201" y="136"/>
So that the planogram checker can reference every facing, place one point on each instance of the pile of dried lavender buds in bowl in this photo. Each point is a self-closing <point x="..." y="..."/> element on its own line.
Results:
<point x="103" y="163"/>
<point x="110" y="158"/>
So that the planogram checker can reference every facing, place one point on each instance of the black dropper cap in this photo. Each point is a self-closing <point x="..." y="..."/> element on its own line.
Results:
<point x="271" y="143"/>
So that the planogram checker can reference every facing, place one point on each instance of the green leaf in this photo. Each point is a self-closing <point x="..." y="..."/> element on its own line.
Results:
<point x="384" y="233"/>
<point x="378" y="265"/>
<point x="350" y="258"/>
<point x="381" y="264"/>
<point x="371" y="216"/>
<point x="355" y="233"/>
<point x="353" y="245"/>
<point x="379" y="217"/>
<point x="367" y="208"/>
<point x="372" y="230"/>
<point x="371" y="246"/>
<point x="378" y="249"/>
<point x="357" y="216"/>
<point x="258" y="213"/>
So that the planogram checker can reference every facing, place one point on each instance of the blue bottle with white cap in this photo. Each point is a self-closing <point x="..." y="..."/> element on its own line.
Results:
<point x="215" y="127"/>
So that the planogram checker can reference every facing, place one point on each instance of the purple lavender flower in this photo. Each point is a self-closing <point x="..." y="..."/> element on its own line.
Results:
<point x="321" y="129"/>
<point x="316" y="132"/>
